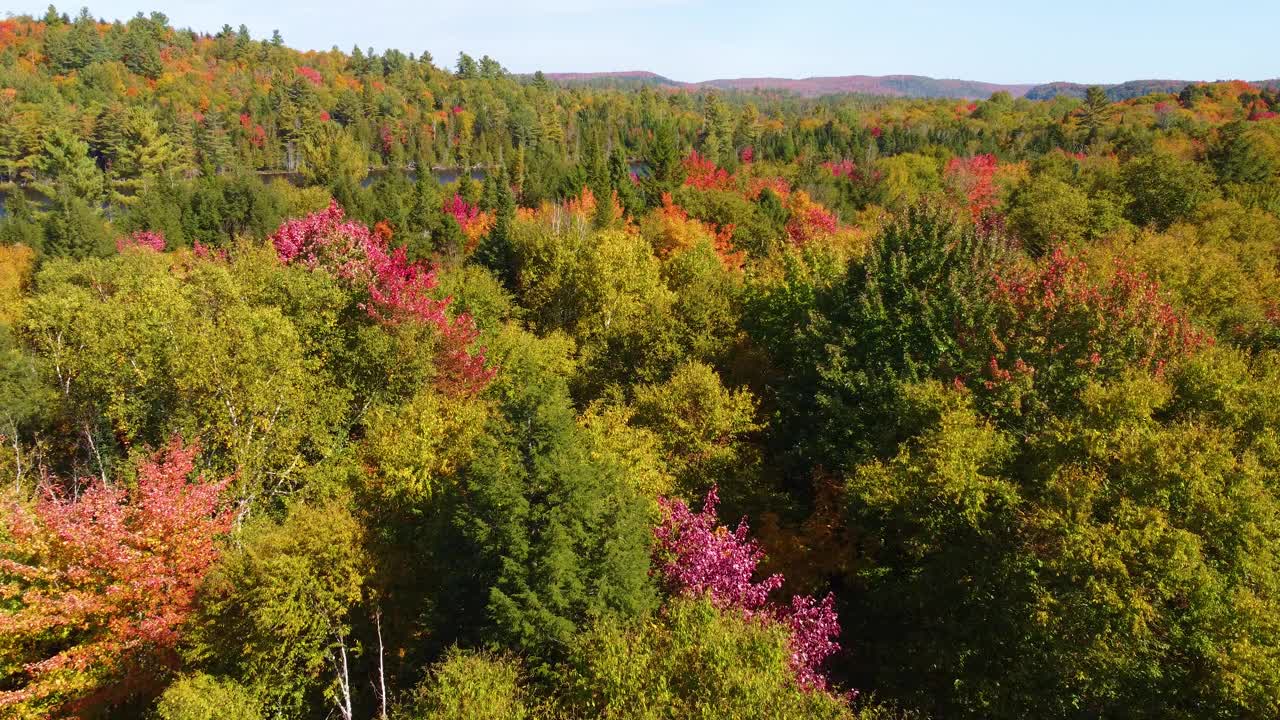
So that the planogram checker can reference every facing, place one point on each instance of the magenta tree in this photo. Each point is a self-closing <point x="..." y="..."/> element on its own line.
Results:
<point x="697" y="556"/>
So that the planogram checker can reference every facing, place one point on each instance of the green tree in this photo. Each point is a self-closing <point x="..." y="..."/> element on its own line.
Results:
<point x="140" y="50"/>
<point x="1165" y="189"/>
<point x="703" y="428"/>
<point x="211" y="356"/>
<point x="469" y="686"/>
<point x="64" y="164"/>
<point x="1241" y="156"/>
<point x="332" y="157"/>
<point x="706" y="306"/>
<point x="276" y="612"/>
<point x="20" y="224"/>
<point x="144" y="155"/>
<point x="495" y="251"/>
<point x="907" y="178"/>
<point x="604" y="288"/>
<point x="26" y="403"/>
<point x="688" y="661"/>
<point x="663" y="154"/>
<point x="555" y="533"/>
<point x="76" y="47"/>
<point x="467" y="68"/>
<point x="975" y="523"/>
<point x="913" y="309"/>
<point x="74" y="229"/>
<point x="204" y="697"/>
<point x="1047" y="213"/>
<point x="1096" y="110"/>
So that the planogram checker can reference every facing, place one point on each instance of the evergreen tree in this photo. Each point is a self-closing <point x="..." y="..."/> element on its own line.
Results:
<point x="140" y="52"/>
<point x="620" y="182"/>
<point x="467" y="68"/>
<point x="1097" y="108"/>
<point x="213" y="150"/>
<point x="19" y="224"/>
<point x="554" y="533"/>
<point x="495" y="251"/>
<point x="76" y="48"/>
<point x="74" y="229"/>
<point x="64" y="163"/>
<point x="1240" y="156"/>
<point x="145" y="154"/>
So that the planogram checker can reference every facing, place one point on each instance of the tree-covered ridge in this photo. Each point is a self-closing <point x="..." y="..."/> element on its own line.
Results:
<point x="686" y="404"/>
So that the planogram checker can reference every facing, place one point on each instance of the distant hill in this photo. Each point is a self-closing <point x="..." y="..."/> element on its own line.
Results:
<point x="1126" y="90"/>
<point x="891" y="85"/>
<point x="1121" y="91"/>
<point x="914" y="86"/>
<point x="625" y="78"/>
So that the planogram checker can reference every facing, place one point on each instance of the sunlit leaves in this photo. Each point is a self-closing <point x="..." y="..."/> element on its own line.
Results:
<point x="105" y="580"/>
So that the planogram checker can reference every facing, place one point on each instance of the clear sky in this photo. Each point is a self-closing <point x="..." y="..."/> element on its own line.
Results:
<point x="1092" y="41"/>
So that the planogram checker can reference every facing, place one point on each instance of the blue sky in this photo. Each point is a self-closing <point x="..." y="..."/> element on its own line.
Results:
<point x="992" y="40"/>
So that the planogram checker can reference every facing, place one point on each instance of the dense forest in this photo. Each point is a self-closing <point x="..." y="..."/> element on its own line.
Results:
<point x="353" y="385"/>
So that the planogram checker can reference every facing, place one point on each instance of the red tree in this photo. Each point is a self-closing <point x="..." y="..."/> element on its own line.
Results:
<point x="311" y="74"/>
<point x="845" y="168"/>
<point x="142" y="239"/>
<point x="974" y="179"/>
<point x="104" y="582"/>
<point x="702" y="173"/>
<point x="1057" y="325"/>
<point x="697" y="556"/>
<point x="397" y="290"/>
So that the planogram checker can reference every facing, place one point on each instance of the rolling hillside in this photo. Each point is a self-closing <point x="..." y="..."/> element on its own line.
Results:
<point x="911" y="86"/>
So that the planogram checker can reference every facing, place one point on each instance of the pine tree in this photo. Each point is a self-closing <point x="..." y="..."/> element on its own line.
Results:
<point x="145" y="154"/>
<point x="78" y="47"/>
<point x="140" y="52"/>
<point x="64" y="162"/>
<point x="1097" y="108"/>
<point x="467" y="68"/>
<point x="663" y="155"/>
<point x="554" y="533"/>
<point x="74" y="229"/>
<point x="1238" y="156"/>
<point x="495" y="250"/>
<point x="212" y="144"/>
<point x="517" y="172"/>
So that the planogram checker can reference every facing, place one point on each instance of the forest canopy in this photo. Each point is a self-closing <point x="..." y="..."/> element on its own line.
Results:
<point x="358" y="385"/>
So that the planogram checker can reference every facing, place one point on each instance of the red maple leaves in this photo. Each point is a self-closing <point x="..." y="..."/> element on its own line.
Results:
<point x="105" y="581"/>
<point x="1055" y="315"/>
<point x="311" y="74"/>
<point x="973" y="179"/>
<point x="702" y="173"/>
<point x="398" y="290"/>
<point x="142" y="240"/>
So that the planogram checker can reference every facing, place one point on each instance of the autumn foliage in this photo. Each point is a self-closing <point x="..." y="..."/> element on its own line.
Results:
<point x="142" y="239"/>
<point x="809" y="220"/>
<point x="1036" y="485"/>
<point x="697" y="556"/>
<point x="398" y="290"/>
<point x="475" y="223"/>
<point x="702" y="173"/>
<point x="973" y="178"/>
<point x="103" y="581"/>
<point x="1055" y="315"/>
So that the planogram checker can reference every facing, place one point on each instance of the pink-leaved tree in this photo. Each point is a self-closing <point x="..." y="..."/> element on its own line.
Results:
<point x="697" y="556"/>
<point x="141" y="240"/>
